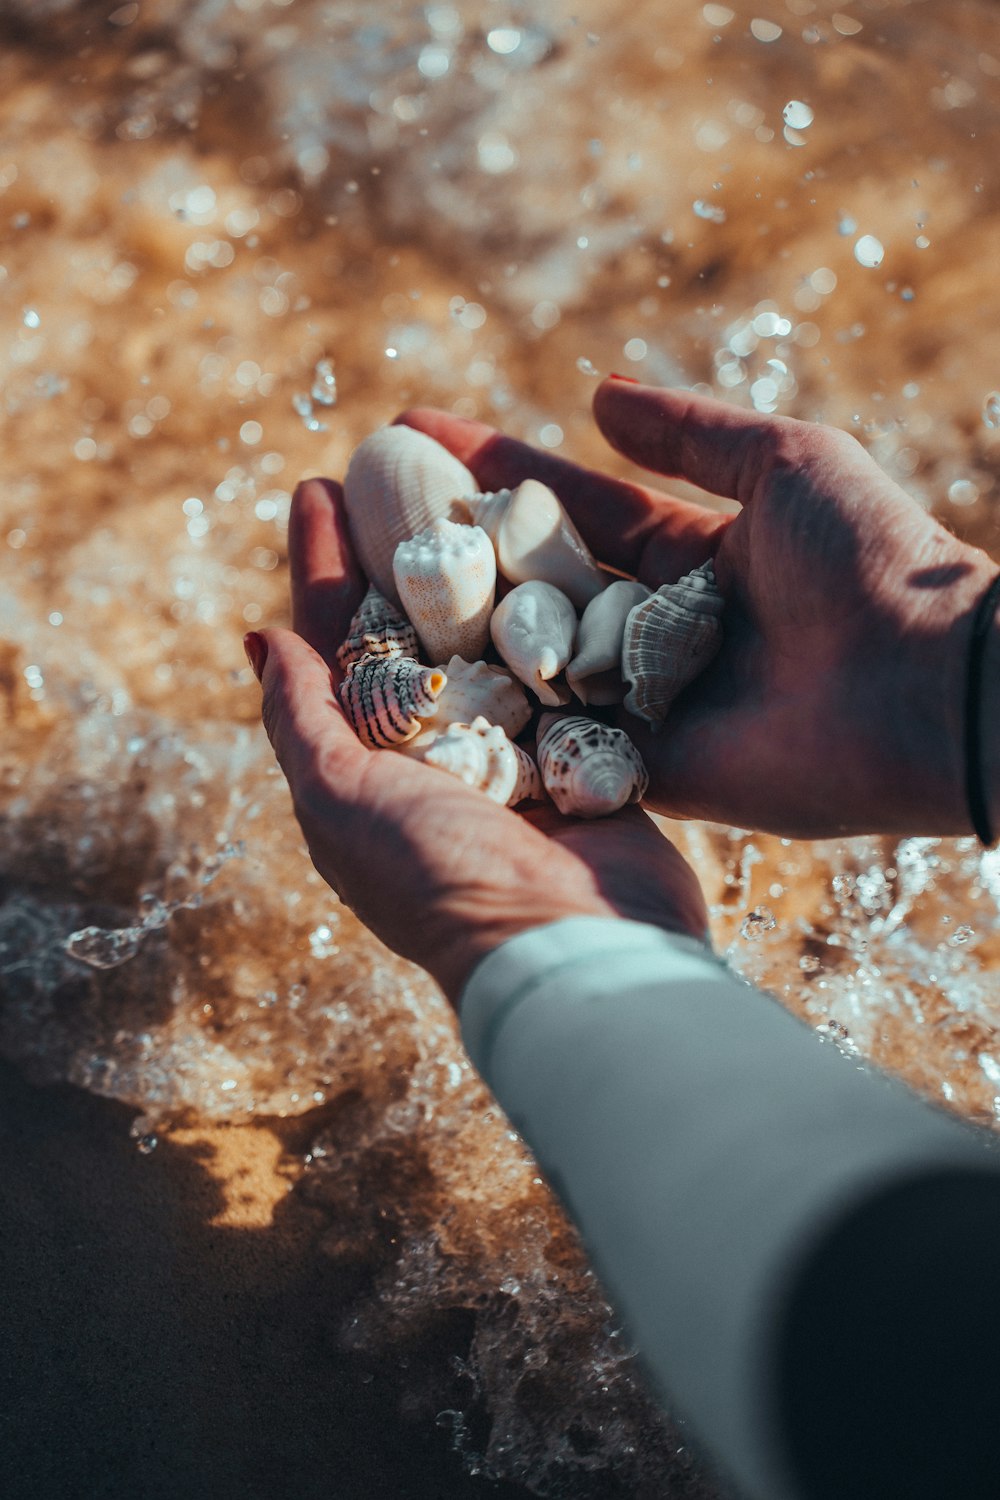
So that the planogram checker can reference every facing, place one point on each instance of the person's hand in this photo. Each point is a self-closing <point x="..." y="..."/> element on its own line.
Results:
<point x="836" y="702"/>
<point x="439" y="872"/>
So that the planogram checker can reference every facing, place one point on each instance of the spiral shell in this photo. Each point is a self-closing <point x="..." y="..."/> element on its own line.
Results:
<point x="398" y="481"/>
<point x="480" y="755"/>
<point x="446" y="579"/>
<point x="594" y="674"/>
<point x="535" y="539"/>
<point x="377" y="628"/>
<point x="386" y="697"/>
<point x="588" y="768"/>
<point x="669" y="639"/>
<point x="476" y="690"/>
<point x="533" y="629"/>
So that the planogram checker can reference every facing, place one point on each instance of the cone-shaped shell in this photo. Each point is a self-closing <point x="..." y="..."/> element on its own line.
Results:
<point x="594" y="674"/>
<point x="588" y="768"/>
<point x="669" y="639"/>
<point x="476" y="690"/>
<point x="385" y="698"/>
<point x="533" y="629"/>
<point x="535" y="538"/>
<point x="377" y="628"/>
<point x="398" y="481"/>
<point x="480" y="755"/>
<point x="446" y="579"/>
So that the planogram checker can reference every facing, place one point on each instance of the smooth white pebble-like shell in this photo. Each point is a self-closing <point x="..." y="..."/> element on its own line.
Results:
<point x="477" y="690"/>
<point x="588" y="768"/>
<point x="669" y="639"/>
<point x="535" y="539"/>
<point x="594" y="674"/>
<point x="377" y="628"/>
<point x="481" y="756"/>
<point x="446" y="580"/>
<point x="386" y="698"/>
<point x="398" y="481"/>
<point x="533" y="628"/>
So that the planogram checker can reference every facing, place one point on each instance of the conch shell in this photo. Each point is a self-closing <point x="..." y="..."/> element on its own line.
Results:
<point x="476" y="690"/>
<point x="377" y="629"/>
<point x="535" y="539"/>
<point x="669" y="639"/>
<point x="385" y="698"/>
<point x="446" y="579"/>
<point x="480" y="755"/>
<point x="588" y="768"/>
<point x="533" y="629"/>
<point x="398" y="481"/>
<point x="594" y="674"/>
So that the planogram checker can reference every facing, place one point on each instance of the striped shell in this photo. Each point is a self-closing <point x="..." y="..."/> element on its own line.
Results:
<point x="533" y="629"/>
<point x="476" y="690"/>
<point x="398" y="481"/>
<point x="535" y="539"/>
<point x="377" y="629"/>
<point x="594" y="674"/>
<point x="446" y="580"/>
<point x="386" y="697"/>
<point x="588" y="768"/>
<point x="669" y="639"/>
<point x="481" y="756"/>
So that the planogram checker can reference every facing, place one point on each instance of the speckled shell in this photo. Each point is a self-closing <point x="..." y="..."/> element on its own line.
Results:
<point x="386" y="698"/>
<point x="535" y="539"/>
<point x="398" y="481"/>
<point x="594" y="674"/>
<point x="377" y="628"/>
<point x="533" y="629"/>
<point x="476" y="690"/>
<point x="446" y="580"/>
<point x="669" y="639"/>
<point x="588" y="768"/>
<point x="481" y="756"/>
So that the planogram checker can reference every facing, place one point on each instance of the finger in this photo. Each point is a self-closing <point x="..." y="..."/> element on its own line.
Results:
<point x="626" y="526"/>
<point x="327" y="583"/>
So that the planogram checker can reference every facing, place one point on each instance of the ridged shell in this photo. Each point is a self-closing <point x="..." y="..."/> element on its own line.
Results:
<point x="535" y="539"/>
<point x="446" y="580"/>
<point x="476" y="690"/>
<point x="669" y="639"/>
<point x="481" y="756"/>
<point x="377" y="628"/>
<point x="533" y="629"/>
<point x="386" y="697"/>
<point x="398" y="481"/>
<point x="588" y="768"/>
<point x="594" y="674"/>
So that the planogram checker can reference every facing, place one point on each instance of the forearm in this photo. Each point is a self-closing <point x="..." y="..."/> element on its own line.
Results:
<point x="703" y="1140"/>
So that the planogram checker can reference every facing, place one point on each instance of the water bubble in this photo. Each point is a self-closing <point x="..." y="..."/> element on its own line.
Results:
<point x="757" y="922"/>
<point x="503" y="40"/>
<point x="717" y="15"/>
<point x="963" y="492"/>
<point x="809" y="963"/>
<point x="585" y="367"/>
<point x="764" y="31"/>
<point x="635" y="350"/>
<point x="869" y="251"/>
<point x="713" y="212"/>
<point x="797" y="114"/>
<point x="104" y="947"/>
<point x="991" y="410"/>
<point x="324" y="386"/>
<point x="30" y="318"/>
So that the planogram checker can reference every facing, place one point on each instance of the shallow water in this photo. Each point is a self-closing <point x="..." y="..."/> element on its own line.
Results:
<point x="233" y="239"/>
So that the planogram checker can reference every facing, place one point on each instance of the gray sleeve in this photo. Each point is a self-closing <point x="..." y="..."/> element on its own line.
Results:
<point x="707" y="1144"/>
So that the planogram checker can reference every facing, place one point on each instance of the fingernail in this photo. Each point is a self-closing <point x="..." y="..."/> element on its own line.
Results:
<point x="255" y="647"/>
<point x="628" y="379"/>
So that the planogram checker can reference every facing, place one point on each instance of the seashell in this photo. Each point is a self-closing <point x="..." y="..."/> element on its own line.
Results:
<point x="386" y="697"/>
<point x="533" y="629"/>
<point x="446" y="579"/>
<point x="534" y="538"/>
<point x="397" y="482"/>
<point x="377" y="629"/>
<point x="476" y="690"/>
<point x="669" y="639"/>
<point x="480" y="755"/>
<point x="588" y="768"/>
<point x="594" y="674"/>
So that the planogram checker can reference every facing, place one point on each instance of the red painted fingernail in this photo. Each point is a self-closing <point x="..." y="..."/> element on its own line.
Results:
<point x="255" y="647"/>
<point x="628" y="379"/>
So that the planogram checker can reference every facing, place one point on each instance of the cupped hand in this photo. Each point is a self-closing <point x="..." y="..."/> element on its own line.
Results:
<point x="436" y="870"/>
<point x="836" y="702"/>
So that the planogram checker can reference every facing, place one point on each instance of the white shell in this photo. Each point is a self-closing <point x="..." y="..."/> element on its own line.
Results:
<point x="669" y="639"/>
<point x="385" y="698"/>
<point x="398" y="481"/>
<point x="533" y="629"/>
<point x="535" y="539"/>
<point x="446" y="579"/>
<point x="480" y="755"/>
<point x="476" y="690"/>
<point x="588" y="768"/>
<point x="377" y="629"/>
<point x="594" y="674"/>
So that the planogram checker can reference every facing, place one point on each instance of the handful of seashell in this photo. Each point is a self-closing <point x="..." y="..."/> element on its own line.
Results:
<point x="486" y="610"/>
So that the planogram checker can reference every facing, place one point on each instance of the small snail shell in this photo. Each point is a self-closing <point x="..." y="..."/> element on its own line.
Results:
<point x="588" y="768"/>
<point x="446" y="579"/>
<point x="535" y="539"/>
<point x="669" y="639"/>
<point x="480" y="755"/>
<point x="533" y="629"/>
<point x="377" y="629"/>
<point x="594" y="674"/>
<point x="476" y="690"/>
<point x="385" y="698"/>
